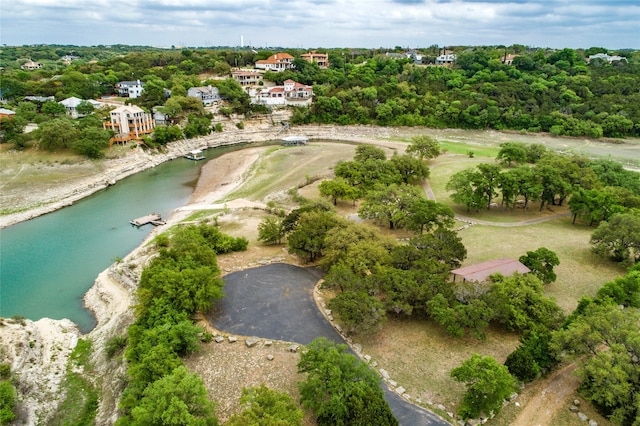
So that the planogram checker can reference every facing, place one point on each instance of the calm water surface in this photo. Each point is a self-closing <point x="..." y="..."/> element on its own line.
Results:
<point x="48" y="263"/>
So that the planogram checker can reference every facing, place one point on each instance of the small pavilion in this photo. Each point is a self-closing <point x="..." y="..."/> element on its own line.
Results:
<point x="481" y="272"/>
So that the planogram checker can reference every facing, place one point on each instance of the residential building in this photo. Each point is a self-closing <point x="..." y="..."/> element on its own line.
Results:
<point x="446" y="59"/>
<point x="278" y="62"/>
<point x="606" y="57"/>
<point x="508" y="59"/>
<point x="322" y="59"/>
<point x="129" y="122"/>
<point x="40" y="99"/>
<point x="414" y="56"/>
<point x="291" y="93"/>
<point x="159" y="117"/>
<point x="30" y="65"/>
<point x="130" y="89"/>
<point x="247" y="78"/>
<point x="71" y="105"/>
<point x="6" y="113"/>
<point x="207" y="94"/>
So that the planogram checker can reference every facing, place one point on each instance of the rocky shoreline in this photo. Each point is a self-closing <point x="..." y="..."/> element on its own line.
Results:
<point x="46" y="344"/>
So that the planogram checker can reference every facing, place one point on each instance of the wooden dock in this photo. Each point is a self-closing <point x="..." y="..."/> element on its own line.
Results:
<point x="151" y="218"/>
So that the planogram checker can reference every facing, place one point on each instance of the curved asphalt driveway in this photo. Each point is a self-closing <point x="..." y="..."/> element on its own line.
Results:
<point x="276" y="302"/>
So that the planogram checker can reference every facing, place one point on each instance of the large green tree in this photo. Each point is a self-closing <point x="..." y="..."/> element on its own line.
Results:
<point x="424" y="147"/>
<point x="618" y="238"/>
<point x="340" y="389"/>
<point x="488" y="385"/>
<point x="179" y="399"/>
<point x="606" y="338"/>
<point x="266" y="407"/>
<point x="541" y="262"/>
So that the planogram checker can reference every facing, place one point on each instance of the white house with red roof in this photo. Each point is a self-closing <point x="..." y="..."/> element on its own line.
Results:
<point x="278" y="62"/>
<point x="291" y="93"/>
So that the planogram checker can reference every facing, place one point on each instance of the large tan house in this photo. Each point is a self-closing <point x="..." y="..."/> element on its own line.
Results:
<point x="129" y="122"/>
<point x="322" y="59"/>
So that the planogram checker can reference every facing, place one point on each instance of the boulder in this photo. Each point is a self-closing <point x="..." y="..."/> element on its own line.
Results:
<point x="251" y="342"/>
<point x="232" y="339"/>
<point x="583" y="417"/>
<point x="384" y="374"/>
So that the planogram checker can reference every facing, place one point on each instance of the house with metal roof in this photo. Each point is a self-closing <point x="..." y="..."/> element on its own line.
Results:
<point x="481" y="272"/>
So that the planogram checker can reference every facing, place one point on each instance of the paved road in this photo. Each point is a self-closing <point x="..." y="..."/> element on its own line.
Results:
<point x="276" y="302"/>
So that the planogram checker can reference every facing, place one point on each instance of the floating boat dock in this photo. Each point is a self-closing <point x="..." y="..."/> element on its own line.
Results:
<point x="153" y="218"/>
<point x="294" y="140"/>
<point x="195" y="155"/>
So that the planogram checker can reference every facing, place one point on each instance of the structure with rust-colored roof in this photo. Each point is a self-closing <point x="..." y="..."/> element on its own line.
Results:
<point x="481" y="272"/>
<point x="278" y="62"/>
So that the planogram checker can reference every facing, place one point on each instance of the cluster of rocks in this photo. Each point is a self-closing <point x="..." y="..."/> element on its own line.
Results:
<point x="575" y="408"/>
<point x="259" y="262"/>
<point x="251" y="342"/>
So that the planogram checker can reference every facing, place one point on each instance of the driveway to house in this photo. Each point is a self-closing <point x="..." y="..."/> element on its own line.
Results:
<point x="276" y="302"/>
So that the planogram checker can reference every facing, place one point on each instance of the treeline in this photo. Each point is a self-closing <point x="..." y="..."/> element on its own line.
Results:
<point x="182" y="280"/>
<point x="557" y="93"/>
<point x="598" y="192"/>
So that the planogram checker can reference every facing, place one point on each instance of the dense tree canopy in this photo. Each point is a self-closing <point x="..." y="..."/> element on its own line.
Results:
<point x="340" y="389"/>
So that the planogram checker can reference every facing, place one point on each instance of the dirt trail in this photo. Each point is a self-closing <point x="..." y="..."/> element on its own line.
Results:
<point x="540" y="410"/>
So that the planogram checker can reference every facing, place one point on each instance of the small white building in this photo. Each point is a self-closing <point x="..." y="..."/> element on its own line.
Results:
<point x="606" y="57"/>
<point x="71" y="105"/>
<point x="130" y="89"/>
<point x="291" y="93"/>
<point x="207" y="94"/>
<point x="446" y="59"/>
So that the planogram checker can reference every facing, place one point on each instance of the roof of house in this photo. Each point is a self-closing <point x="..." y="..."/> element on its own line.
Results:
<point x="127" y="108"/>
<point x="5" y="111"/>
<point x="481" y="271"/>
<point x="275" y="59"/>
<point x="73" y="102"/>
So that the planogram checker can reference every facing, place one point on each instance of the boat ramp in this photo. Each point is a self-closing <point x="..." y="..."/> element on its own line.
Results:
<point x="294" y="140"/>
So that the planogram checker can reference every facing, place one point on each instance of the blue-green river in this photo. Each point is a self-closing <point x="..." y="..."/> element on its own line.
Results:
<point x="48" y="263"/>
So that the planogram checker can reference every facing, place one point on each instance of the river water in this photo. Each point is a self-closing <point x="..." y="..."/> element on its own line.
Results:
<point x="48" y="263"/>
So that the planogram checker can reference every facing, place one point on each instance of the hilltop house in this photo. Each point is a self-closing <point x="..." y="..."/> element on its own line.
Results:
<point x="130" y="89"/>
<point x="129" y="122"/>
<point x="30" y="65"/>
<point x="207" y="94"/>
<point x="322" y="59"/>
<point x="278" y="62"/>
<point x="446" y="59"/>
<point x="606" y="57"/>
<point x="71" y="105"/>
<point x="247" y="77"/>
<point x="6" y="113"/>
<point x="291" y="93"/>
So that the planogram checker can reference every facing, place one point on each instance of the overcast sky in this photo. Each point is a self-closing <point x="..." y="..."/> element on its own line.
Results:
<point x="323" y="23"/>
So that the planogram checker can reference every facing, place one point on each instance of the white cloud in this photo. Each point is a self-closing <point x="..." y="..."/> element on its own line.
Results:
<point x="324" y="23"/>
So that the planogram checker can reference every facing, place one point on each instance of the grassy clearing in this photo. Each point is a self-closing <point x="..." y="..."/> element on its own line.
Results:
<point x="286" y="167"/>
<point x="80" y="403"/>
<point x="468" y="149"/>
<point x="419" y="355"/>
<point x="580" y="272"/>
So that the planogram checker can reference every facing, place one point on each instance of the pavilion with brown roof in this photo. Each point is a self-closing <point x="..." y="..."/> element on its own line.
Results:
<point x="480" y="272"/>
